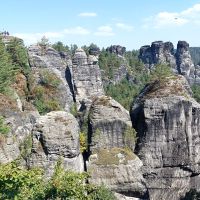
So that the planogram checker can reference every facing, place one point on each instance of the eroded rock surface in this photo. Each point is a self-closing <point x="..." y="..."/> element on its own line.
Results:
<point x="59" y="64"/>
<point x="166" y="119"/>
<point x="56" y="137"/>
<point x="86" y="76"/>
<point x="112" y="141"/>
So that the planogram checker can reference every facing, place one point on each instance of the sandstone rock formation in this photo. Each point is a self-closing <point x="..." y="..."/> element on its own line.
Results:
<point x="158" y="52"/>
<point x="56" y="137"/>
<point x="184" y="62"/>
<point x="116" y="49"/>
<point x="166" y="119"/>
<point x="111" y="142"/>
<point x="180" y="62"/>
<point x="86" y="76"/>
<point x="59" y="64"/>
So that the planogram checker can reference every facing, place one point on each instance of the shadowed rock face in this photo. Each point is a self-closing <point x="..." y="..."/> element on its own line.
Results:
<point x="86" y="76"/>
<point x="55" y="137"/>
<point x="180" y="62"/>
<point x="158" y="52"/>
<point x="168" y="127"/>
<point x="116" y="49"/>
<point x="112" y="161"/>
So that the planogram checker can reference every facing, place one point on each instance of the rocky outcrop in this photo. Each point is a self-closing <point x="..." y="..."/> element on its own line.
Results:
<point x="158" y="52"/>
<point x="86" y="76"/>
<point x="56" y="137"/>
<point x="184" y="62"/>
<point x="166" y="119"/>
<point x="59" y="64"/>
<point x="111" y="143"/>
<point x="116" y="49"/>
<point x="164" y="53"/>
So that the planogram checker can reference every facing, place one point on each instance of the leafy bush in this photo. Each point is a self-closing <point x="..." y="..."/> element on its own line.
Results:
<point x="73" y="110"/>
<point x="196" y="92"/>
<point x="22" y="184"/>
<point x="83" y="141"/>
<point x="49" y="79"/>
<point x="130" y="137"/>
<point x="7" y="71"/>
<point x="160" y="72"/>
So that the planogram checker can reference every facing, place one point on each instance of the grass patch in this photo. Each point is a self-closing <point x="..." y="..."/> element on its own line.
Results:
<point x="114" y="156"/>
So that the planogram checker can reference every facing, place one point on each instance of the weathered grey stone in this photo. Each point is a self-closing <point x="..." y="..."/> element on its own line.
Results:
<point x="184" y="62"/>
<point x="86" y="76"/>
<point x="55" y="137"/>
<point x="108" y="121"/>
<point x="56" y="63"/>
<point x="112" y="161"/>
<point x="158" y="52"/>
<point x="166" y="119"/>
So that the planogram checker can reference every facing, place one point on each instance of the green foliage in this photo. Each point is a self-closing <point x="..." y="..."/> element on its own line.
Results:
<point x="60" y="47"/>
<point x="196" y="92"/>
<point x="45" y="95"/>
<point x="44" y="106"/>
<point x="49" y="79"/>
<point x="18" y="54"/>
<point x="22" y="184"/>
<point x="109" y="62"/>
<point x="102" y="193"/>
<point x="160" y="73"/>
<point x="111" y="156"/>
<point x="73" y="110"/>
<point x="44" y="42"/>
<point x="130" y="137"/>
<point x="4" y="129"/>
<point x="124" y="92"/>
<point x="7" y="71"/>
<point x="25" y="147"/>
<point x="83" y="141"/>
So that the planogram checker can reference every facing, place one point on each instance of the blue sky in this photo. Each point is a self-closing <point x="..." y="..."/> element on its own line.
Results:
<point x="130" y="23"/>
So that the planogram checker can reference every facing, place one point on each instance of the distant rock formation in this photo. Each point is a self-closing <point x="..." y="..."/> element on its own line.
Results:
<point x="166" y="119"/>
<point x="180" y="61"/>
<point x="116" y="49"/>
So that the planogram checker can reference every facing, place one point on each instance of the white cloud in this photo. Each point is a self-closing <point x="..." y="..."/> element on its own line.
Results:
<point x="104" y="31"/>
<point x="125" y="27"/>
<point x="87" y="14"/>
<point x="77" y="31"/>
<point x="169" y="19"/>
<point x="30" y="38"/>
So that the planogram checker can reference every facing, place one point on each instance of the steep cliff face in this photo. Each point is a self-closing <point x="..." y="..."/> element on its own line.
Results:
<point x="167" y="121"/>
<point x="59" y="64"/>
<point x="184" y="62"/>
<point x="181" y="61"/>
<point x="111" y="142"/>
<point x="86" y="76"/>
<point x="158" y="52"/>
<point x="55" y="137"/>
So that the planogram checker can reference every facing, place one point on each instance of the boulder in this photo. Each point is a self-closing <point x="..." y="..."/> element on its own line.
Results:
<point x="56" y="137"/>
<point x="116" y="49"/>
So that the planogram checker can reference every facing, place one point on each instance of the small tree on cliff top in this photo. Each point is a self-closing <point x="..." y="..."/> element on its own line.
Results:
<point x="160" y="72"/>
